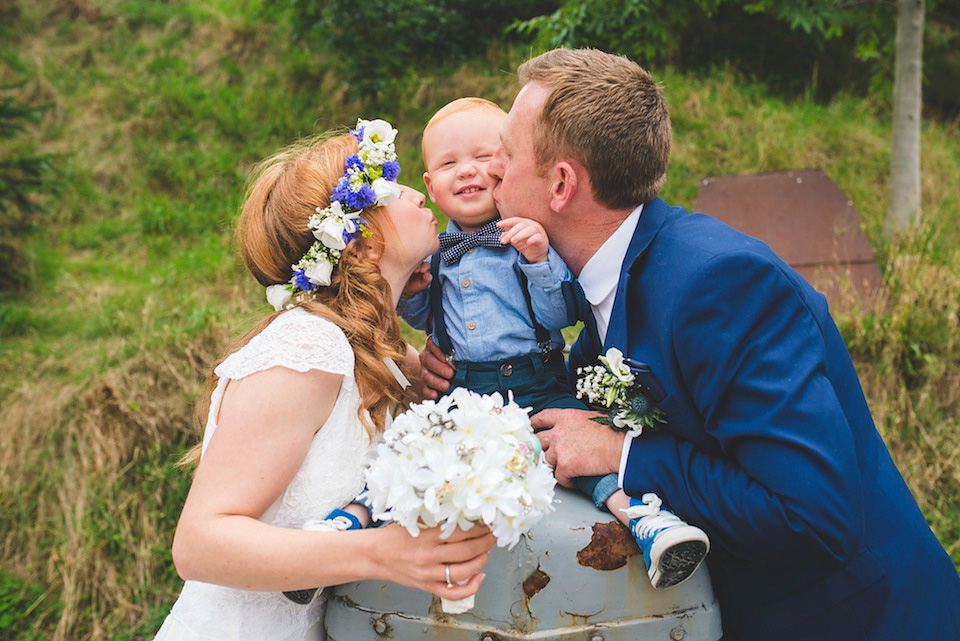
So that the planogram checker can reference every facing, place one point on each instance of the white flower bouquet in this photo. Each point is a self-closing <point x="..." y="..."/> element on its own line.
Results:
<point x="459" y="461"/>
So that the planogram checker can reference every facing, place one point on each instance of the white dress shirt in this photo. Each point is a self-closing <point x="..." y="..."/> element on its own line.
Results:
<point x="599" y="279"/>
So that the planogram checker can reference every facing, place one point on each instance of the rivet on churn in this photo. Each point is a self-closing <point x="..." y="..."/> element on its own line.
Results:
<point x="596" y="637"/>
<point x="677" y="633"/>
<point x="380" y="627"/>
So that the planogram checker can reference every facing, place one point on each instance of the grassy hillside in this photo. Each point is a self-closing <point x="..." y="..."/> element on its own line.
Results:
<point x="157" y="112"/>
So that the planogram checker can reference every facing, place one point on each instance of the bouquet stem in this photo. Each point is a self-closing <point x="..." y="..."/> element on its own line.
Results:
<point x="457" y="606"/>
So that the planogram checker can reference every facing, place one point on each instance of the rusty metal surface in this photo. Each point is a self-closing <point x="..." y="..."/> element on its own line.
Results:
<point x="609" y="548"/>
<point x="809" y="221"/>
<point x="542" y="590"/>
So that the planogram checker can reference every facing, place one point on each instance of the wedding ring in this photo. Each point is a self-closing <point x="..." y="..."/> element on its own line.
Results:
<point x="446" y="566"/>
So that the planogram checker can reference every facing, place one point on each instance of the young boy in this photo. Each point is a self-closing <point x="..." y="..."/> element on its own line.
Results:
<point x="496" y="302"/>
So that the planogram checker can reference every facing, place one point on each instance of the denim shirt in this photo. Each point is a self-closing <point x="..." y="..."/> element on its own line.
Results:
<point x="484" y="308"/>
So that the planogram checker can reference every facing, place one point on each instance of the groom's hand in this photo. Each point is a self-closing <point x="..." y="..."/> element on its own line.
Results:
<point x="436" y="370"/>
<point x="419" y="280"/>
<point x="575" y="445"/>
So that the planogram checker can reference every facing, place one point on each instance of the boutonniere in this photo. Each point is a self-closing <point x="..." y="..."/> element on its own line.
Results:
<point x="612" y="388"/>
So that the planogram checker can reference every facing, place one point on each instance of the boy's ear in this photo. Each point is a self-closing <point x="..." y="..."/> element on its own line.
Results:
<point x="426" y="183"/>
<point x="563" y="187"/>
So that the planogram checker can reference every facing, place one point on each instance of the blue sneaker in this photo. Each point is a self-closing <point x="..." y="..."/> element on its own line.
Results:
<point x="336" y="521"/>
<point x="672" y="549"/>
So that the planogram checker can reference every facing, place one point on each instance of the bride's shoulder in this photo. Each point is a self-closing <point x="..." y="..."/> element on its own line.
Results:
<point x="299" y="320"/>
<point x="296" y="339"/>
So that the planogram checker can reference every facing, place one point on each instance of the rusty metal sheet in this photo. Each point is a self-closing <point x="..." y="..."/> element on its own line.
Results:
<point x="576" y="576"/>
<point x="809" y="221"/>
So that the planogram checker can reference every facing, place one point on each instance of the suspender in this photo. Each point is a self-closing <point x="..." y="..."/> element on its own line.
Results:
<point x="440" y="335"/>
<point x="543" y="336"/>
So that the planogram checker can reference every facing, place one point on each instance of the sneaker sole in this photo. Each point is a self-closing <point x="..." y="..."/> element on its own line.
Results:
<point x="301" y="597"/>
<point x="678" y="554"/>
<point x="678" y="563"/>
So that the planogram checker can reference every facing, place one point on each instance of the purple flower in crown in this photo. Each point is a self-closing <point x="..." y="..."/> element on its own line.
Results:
<point x="357" y="133"/>
<point x="302" y="282"/>
<point x="341" y="192"/>
<point x="360" y="199"/>
<point x="391" y="170"/>
<point x="353" y="160"/>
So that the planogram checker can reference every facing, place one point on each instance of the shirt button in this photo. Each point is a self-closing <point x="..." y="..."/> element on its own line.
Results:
<point x="466" y="282"/>
<point x="471" y="325"/>
<point x="506" y="369"/>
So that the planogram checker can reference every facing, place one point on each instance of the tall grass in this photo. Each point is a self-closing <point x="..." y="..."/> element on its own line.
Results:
<point x="159" y="110"/>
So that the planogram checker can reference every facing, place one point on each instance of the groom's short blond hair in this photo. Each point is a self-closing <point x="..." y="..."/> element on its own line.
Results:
<point x="608" y="114"/>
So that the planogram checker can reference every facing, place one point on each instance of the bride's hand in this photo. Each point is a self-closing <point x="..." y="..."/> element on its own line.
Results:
<point x="420" y="562"/>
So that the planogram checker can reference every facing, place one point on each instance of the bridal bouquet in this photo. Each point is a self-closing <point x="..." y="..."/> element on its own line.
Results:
<point x="462" y="460"/>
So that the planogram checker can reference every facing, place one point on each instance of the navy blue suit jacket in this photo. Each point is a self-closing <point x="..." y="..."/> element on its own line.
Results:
<point x="769" y="444"/>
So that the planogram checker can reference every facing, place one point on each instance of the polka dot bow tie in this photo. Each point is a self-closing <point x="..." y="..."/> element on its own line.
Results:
<point x="454" y="244"/>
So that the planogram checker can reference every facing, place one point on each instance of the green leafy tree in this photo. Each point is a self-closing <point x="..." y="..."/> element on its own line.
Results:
<point x="379" y="45"/>
<point x="888" y="34"/>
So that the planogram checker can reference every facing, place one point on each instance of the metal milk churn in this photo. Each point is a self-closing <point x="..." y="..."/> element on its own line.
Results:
<point x="576" y="576"/>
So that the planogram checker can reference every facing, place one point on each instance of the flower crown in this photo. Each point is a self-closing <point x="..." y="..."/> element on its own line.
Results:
<point x="369" y="180"/>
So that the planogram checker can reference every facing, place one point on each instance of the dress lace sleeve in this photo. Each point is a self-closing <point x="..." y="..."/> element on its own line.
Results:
<point x="297" y="340"/>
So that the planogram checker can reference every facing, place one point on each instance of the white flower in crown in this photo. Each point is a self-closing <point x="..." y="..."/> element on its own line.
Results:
<point x="279" y="296"/>
<point x="387" y="191"/>
<point x="319" y="271"/>
<point x="332" y="226"/>
<point x="614" y="362"/>
<point x="376" y="133"/>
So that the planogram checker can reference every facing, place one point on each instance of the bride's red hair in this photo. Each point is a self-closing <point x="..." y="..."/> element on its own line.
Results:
<point x="272" y="233"/>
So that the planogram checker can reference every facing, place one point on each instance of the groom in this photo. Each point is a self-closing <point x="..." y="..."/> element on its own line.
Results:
<point x="769" y="445"/>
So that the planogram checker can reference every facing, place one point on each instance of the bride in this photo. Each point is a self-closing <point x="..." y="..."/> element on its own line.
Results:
<point x="294" y="407"/>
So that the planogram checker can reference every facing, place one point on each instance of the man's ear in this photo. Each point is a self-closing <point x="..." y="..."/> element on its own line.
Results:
<point x="426" y="183"/>
<point x="563" y="187"/>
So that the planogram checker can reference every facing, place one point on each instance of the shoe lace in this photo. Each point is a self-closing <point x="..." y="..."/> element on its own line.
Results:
<point x="650" y="516"/>
<point x="336" y="524"/>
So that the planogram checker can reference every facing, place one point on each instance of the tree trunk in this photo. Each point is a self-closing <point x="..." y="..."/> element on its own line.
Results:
<point x="903" y="207"/>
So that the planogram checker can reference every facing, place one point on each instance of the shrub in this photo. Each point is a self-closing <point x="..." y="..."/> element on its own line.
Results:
<point x="23" y="176"/>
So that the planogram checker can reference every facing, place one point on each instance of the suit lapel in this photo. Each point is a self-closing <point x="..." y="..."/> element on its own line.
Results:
<point x="651" y="220"/>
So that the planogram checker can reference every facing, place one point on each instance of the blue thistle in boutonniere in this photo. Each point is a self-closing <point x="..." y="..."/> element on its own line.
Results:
<point x="612" y="388"/>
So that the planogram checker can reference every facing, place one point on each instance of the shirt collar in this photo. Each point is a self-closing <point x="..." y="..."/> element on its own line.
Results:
<point x="597" y="278"/>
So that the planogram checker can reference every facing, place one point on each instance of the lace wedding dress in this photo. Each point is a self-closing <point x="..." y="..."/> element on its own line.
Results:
<point x="330" y="477"/>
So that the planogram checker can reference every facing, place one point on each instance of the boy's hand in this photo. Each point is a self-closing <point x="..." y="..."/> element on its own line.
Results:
<point x="419" y="280"/>
<point x="527" y="237"/>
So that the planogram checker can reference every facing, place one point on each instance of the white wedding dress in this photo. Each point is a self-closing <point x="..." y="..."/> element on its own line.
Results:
<point x="330" y="477"/>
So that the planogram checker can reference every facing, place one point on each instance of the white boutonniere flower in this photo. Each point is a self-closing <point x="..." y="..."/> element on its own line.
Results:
<point x="614" y="362"/>
<point x="610" y="388"/>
